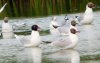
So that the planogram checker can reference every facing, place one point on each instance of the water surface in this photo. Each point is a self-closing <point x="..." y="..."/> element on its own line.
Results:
<point x="87" y="50"/>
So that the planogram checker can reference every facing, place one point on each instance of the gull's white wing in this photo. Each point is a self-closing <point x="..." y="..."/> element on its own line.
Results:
<point x="23" y="39"/>
<point x="63" y="29"/>
<point x="61" y="42"/>
<point x="80" y="18"/>
<point x="2" y="8"/>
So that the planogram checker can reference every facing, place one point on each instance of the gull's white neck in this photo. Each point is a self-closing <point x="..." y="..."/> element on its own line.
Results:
<point x="35" y="33"/>
<point x="6" y="27"/>
<point x="88" y="10"/>
<point x="73" y="37"/>
<point x="35" y="36"/>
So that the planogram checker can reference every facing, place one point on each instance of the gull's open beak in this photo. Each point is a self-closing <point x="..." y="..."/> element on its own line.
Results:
<point x="39" y="29"/>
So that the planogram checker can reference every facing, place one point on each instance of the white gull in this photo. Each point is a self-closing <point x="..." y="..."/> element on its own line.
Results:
<point x="7" y="30"/>
<point x="66" y="42"/>
<point x="33" y="40"/>
<point x="53" y="27"/>
<point x="88" y="16"/>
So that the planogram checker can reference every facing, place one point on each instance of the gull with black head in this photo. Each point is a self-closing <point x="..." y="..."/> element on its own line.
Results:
<point x="32" y="40"/>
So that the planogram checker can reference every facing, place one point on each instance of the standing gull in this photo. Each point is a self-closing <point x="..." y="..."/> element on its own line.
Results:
<point x="7" y="30"/>
<point x="88" y="16"/>
<point x="33" y="40"/>
<point x="53" y="27"/>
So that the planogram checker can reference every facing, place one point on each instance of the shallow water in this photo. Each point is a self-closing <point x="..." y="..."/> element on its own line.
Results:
<point x="86" y="51"/>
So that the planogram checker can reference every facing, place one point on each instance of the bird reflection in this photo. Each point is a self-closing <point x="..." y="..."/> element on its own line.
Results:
<point x="64" y="56"/>
<point x="36" y="54"/>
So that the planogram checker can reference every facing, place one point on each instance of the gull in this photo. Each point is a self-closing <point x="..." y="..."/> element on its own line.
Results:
<point x="53" y="27"/>
<point x="73" y="25"/>
<point x="2" y="8"/>
<point x="33" y="40"/>
<point x="7" y="30"/>
<point x="64" y="29"/>
<point x="66" y="42"/>
<point x="76" y="18"/>
<point x="63" y="23"/>
<point x="88" y="16"/>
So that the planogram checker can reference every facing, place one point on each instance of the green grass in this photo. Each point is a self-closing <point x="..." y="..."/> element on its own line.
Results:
<point x="90" y="57"/>
<point x="39" y="8"/>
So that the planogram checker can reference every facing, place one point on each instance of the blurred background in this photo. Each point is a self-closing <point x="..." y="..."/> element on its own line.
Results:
<point x="39" y="8"/>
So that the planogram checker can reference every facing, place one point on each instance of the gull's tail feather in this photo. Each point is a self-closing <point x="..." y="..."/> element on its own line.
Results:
<point x="2" y="8"/>
<point x="22" y="39"/>
<point x="17" y="37"/>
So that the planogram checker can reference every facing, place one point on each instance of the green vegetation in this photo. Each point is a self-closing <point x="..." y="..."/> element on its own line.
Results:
<point x="43" y="32"/>
<point x="90" y="57"/>
<point x="36" y="8"/>
<point x="82" y="58"/>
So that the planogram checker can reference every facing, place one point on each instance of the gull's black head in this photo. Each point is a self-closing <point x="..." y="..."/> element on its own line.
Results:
<point x="76" y="16"/>
<point x="73" y="31"/>
<point x="73" y="23"/>
<point x="35" y="27"/>
<point x="91" y="5"/>
<point x="66" y="19"/>
<point x="6" y="19"/>
<point x="55" y="26"/>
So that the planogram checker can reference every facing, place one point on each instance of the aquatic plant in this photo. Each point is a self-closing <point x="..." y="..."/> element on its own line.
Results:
<point x="36" y="8"/>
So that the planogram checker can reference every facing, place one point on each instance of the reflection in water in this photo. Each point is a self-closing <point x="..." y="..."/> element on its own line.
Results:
<point x="89" y="36"/>
<point x="91" y="61"/>
<point x="30" y="55"/>
<point x="64" y="56"/>
<point x="36" y="54"/>
<point x="89" y="32"/>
